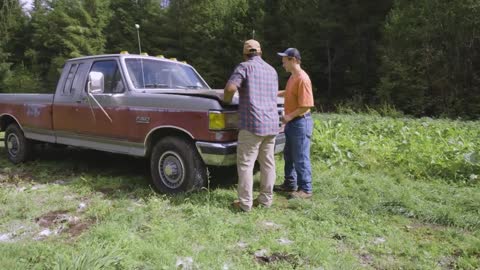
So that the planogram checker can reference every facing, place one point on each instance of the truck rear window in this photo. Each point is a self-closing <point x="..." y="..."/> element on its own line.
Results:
<point x="69" y="81"/>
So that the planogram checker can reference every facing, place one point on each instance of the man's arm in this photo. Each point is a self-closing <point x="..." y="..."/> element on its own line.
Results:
<point x="281" y="93"/>
<point x="299" y="111"/>
<point x="229" y="91"/>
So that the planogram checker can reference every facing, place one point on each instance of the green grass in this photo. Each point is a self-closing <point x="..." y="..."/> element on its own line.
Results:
<point x="382" y="206"/>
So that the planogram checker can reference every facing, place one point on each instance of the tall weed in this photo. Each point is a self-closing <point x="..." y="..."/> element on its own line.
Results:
<point x="424" y="148"/>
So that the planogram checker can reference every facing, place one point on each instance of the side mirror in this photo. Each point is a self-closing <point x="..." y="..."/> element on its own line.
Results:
<point x="95" y="82"/>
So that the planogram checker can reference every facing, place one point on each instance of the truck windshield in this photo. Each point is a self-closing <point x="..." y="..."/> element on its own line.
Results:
<point x="156" y="74"/>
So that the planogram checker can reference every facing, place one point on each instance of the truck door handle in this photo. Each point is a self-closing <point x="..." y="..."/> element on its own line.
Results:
<point x="80" y="100"/>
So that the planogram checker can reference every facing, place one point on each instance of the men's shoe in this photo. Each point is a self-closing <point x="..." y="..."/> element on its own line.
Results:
<point x="257" y="203"/>
<point x="283" y="188"/>
<point x="236" y="205"/>
<point x="300" y="195"/>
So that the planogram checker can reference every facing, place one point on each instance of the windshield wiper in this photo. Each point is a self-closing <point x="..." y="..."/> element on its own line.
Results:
<point x="187" y="87"/>
<point x="156" y="85"/>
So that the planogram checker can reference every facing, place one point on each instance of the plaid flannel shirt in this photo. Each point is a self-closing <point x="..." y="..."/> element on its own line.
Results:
<point x="257" y="82"/>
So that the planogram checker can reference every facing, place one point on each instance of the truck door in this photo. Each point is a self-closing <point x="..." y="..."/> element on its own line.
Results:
<point x="68" y="93"/>
<point x="107" y="125"/>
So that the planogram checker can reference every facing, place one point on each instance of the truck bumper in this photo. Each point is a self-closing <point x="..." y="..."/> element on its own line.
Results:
<point x="225" y="154"/>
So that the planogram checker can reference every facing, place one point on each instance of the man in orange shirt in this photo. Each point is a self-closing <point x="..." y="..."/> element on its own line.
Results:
<point x="298" y="129"/>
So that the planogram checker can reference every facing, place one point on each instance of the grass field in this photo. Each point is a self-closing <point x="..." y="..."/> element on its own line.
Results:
<point x="389" y="194"/>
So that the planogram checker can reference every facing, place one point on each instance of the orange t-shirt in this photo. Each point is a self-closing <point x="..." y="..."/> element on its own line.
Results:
<point x="298" y="92"/>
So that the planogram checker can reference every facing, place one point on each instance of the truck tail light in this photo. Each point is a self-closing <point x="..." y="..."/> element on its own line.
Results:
<point x="223" y="120"/>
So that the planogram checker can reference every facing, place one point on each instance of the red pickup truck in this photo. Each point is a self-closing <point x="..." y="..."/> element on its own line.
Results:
<point x="136" y="105"/>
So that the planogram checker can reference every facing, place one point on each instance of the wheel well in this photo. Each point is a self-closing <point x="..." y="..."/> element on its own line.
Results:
<point x="5" y="121"/>
<point x="161" y="133"/>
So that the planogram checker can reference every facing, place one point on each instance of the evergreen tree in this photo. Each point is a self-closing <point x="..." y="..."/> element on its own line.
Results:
<point x="430" y="58"/>
<point x="64" y="29"/>
<point x="12" y="20"/>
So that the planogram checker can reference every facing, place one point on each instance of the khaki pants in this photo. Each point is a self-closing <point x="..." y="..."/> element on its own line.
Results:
<point x="250" y="148"/>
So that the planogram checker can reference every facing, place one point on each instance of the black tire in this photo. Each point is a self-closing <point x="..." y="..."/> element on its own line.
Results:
<point x="176" y="166"/>
<point x="223" y="176"/>
<point x="227" y="175"/>
<point x="18" y="148"/>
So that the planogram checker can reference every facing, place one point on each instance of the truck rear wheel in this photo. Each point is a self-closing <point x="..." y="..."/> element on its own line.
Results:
<point x="176" y="166"/>
<point x="19" y="148"/>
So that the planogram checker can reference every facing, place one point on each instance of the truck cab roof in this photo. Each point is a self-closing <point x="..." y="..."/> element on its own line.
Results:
<point x="120" y="55"/>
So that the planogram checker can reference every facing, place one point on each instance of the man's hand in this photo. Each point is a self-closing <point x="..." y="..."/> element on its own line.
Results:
<point x="228" y="92"/>
<point x="286" y="118"/>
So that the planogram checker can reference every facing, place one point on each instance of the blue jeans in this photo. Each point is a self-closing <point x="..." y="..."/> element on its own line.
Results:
<point x="298" y="170"/>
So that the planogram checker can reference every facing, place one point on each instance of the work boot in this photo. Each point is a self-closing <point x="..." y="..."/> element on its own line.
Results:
<point x="300" y="195"/>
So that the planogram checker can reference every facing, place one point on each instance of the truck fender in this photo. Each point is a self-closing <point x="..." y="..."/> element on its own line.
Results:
<point x="7" y="119"/>
<point x="160" y="132"/>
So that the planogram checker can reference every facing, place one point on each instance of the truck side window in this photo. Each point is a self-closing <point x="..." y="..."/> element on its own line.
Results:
<point x="69" y="80"/>
<point x="76" y="79"/>
<point x="111" y="76"/>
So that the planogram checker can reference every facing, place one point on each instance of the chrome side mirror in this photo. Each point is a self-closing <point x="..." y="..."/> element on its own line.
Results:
<point x="95" y="82"/>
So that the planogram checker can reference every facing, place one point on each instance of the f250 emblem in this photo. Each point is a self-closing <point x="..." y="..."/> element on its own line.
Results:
<point x="143" y="119"/>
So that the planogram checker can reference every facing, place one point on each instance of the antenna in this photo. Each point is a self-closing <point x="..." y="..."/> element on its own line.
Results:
<point x="140" y="52"/>
<point x="138" y="38"/>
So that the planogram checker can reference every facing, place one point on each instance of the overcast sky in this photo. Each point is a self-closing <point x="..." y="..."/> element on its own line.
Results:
<point x="28" y="4"/>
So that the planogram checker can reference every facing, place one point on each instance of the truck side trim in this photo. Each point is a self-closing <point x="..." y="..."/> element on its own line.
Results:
<point x="103" y="144"/>
<point x="40" y="134"/>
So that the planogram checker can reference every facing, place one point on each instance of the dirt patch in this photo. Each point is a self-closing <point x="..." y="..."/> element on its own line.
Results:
<point x="52" y="218"/>
<point x="366" y="259"/>
<point x="62" y="222"/>
<point x="278" y="257"/>
<point x="76" y="229"/>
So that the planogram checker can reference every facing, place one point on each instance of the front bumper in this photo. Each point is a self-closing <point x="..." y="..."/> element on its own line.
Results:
<point x="225" y="154"/>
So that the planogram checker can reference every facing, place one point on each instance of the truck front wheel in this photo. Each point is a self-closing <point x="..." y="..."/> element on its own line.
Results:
<point x="18" y="147"/>
<point x="176" y="166"/>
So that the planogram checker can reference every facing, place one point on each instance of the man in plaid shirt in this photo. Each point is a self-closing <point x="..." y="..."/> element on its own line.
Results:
<point x="257" y="84"/>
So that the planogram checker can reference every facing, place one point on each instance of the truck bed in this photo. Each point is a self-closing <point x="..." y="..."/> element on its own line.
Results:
<point x="33" y="111"/>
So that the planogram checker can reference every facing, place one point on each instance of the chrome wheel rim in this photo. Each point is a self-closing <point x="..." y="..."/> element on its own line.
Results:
<point x="13" y="144"/>
<point x="171" y="169"/>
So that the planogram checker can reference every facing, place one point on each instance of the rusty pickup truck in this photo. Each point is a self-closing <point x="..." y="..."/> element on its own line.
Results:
<point x="143" y="106"/>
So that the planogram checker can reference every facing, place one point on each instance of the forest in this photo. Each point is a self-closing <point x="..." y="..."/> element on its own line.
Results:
<point x="418" y="58"/>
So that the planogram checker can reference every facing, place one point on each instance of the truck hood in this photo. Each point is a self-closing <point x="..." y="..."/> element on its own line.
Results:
<point x="207" y="93"/>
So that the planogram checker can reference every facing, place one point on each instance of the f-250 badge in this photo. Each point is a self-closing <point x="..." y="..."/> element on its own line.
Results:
<point x="143" y="119"/>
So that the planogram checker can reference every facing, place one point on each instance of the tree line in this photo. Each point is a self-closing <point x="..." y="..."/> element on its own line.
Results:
<point x="421" y="57"/>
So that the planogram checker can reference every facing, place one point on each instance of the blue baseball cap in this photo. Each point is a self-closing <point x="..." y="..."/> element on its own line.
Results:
<point x="291" y="52"/>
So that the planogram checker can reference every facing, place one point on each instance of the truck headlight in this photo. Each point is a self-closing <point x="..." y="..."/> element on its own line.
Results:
<point x="222" y="120"/>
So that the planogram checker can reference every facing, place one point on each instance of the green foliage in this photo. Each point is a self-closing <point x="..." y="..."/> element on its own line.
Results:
<point x="66" y="29"/>
<point x="425" y="148"/>
<point x="377" y="216"/>
<point x="22" y="78"/>
<point x="420" y="58"/>
<point x="429" y="58"/>
<point x="11" y="22"/>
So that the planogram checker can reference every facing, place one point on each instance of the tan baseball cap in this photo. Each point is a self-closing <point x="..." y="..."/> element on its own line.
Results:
<point x="250" y="46"/>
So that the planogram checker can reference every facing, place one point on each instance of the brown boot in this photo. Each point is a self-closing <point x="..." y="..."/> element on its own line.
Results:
<point x="257" y="203"/>
<point x="300" y="195"/>
<point x="236" y="205"/>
